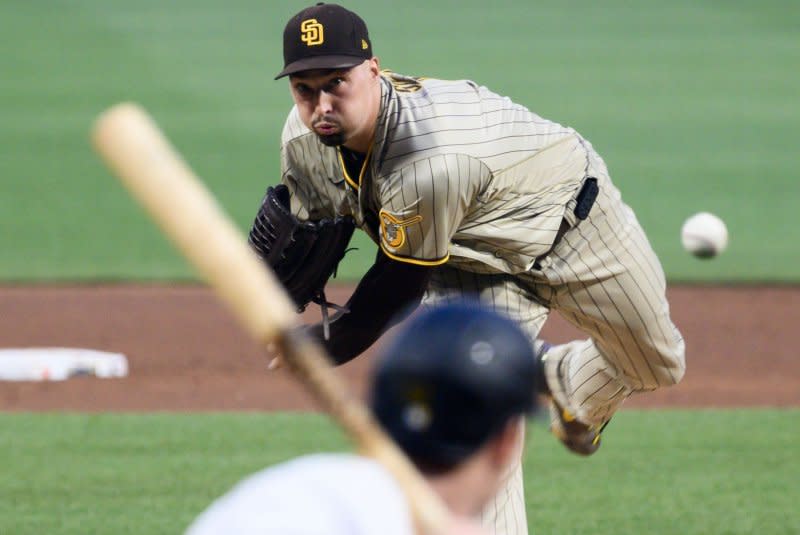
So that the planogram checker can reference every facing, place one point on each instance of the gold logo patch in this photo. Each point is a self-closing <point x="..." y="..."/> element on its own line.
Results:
<point x="312" y="32"/>
<point x="364" y="44"/>
<point x="393" y="229"/>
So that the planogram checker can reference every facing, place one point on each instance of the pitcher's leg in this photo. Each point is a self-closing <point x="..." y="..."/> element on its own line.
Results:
<point x="506" y="513"/>
<point x="605" y="279"/>
<point x="502" y="292"/>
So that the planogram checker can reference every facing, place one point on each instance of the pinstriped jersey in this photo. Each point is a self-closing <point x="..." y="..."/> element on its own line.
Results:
<point x="455" y="173"/>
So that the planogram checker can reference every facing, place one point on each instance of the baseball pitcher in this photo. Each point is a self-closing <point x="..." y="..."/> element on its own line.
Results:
<point x="466" y="193"/>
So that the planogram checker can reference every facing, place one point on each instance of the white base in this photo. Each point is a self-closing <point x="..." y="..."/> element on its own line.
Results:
<point x="59" y="363"/>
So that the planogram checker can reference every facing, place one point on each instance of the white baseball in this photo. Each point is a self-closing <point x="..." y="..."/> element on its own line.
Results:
<point x="704" y="235"/>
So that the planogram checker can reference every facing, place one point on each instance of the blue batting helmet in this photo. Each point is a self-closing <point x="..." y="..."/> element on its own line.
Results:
<point x="451" y="378"/>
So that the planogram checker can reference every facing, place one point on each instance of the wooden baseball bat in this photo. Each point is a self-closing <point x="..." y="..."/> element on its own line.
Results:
<point x="140" y="155"/>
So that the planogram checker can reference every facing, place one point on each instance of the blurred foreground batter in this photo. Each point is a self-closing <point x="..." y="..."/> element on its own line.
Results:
<point x="456" y="407"/>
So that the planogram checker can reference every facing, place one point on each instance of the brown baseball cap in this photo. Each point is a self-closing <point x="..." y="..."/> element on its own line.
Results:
<point x="324" y="36"/>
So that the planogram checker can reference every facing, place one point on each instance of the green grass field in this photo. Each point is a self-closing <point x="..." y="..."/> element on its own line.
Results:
<point x="666" y="472"/>
<point x="693" y="105"/>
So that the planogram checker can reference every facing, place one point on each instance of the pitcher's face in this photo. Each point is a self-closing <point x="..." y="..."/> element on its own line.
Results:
<point x="338" y="105"/>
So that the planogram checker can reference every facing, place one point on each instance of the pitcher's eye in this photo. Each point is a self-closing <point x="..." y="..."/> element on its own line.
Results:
<point x="302" y="90"/>
<point x="333" y="84"/>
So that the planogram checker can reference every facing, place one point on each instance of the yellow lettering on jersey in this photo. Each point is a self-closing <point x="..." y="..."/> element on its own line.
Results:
<point x="312" y="32"/>
<point x="402" y="83"/>
<point x="393" y="229"/>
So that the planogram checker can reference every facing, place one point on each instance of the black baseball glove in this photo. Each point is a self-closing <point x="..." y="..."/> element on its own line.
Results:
<point x="303" y="254"/>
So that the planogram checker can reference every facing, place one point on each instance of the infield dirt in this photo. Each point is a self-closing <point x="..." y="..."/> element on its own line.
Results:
<point x="187" y="353"/>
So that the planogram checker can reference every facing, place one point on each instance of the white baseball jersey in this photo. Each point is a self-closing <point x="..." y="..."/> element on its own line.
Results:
<point x="324" y="494"/>
<point x="466" y="180"/>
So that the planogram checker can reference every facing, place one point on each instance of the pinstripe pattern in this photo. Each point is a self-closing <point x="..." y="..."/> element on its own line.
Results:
<point x="478" y="186"/>
<point x="489" y="178"/>
<point x="605" y="279"/>
<point x="505" y="514"/>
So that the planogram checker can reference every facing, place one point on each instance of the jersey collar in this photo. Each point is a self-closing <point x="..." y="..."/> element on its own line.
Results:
<point x="347" y="177"/>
